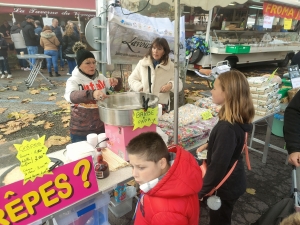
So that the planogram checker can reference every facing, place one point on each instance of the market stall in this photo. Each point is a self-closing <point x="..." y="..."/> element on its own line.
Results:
<point x="249" y="33"/>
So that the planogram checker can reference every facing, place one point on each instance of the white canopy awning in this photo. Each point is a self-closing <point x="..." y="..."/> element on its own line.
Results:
<point x="204" y="4"/>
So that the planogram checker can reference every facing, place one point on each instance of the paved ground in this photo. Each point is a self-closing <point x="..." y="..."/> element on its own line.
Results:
<point x="271" y="181"/>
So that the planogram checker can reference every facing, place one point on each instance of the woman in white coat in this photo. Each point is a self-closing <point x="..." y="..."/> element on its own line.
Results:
<point x="157" y="68"/>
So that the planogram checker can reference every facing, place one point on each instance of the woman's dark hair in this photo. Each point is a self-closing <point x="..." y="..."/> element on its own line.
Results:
<point x="160" y="42"/>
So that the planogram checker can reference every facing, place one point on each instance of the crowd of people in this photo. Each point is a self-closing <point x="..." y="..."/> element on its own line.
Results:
<point x="29" y="37"/>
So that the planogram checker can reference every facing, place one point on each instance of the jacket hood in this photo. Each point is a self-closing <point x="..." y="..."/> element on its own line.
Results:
<point x="47" y="34"/>
<point x="184" y="177"/>
<point x="15" y="29"/>
<point x="148" y="62"/>
<point x="247" y="127"/>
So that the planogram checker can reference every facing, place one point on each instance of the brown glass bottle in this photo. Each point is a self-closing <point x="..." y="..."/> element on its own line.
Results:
<point x="101" y="166"/>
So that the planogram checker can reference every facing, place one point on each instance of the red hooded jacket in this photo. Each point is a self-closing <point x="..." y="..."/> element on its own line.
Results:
<point x="174" y="199"/>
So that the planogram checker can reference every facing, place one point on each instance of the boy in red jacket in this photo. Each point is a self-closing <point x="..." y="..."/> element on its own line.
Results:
<point x="169" y="179"/>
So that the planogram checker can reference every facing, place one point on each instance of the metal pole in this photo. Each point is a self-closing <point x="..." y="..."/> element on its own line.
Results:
<point x="176" y="61"/>
<point x="208" y="25"/>
<point x="13" y="17"/>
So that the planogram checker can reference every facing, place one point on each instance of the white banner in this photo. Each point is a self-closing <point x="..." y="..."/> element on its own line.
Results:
<point x="130" y="36"/>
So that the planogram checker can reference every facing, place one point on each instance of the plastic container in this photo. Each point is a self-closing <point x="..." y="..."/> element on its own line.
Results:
<point x="286" y="82"/>
<point x="92" y="212"/>
<point x="238" y="49"/>
<point x="119" y="209"/>
<point x="277" y="127"/>
<point x="284" y="92"/>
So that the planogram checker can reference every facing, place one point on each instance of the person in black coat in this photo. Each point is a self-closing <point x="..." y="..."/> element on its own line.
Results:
<point x="38" y="30"/>
<point x="4" y="63"/>
<point x="226" y="140"/>
<point x="69" y="39"/>
<point x="291" y="129"/>
<point x="31" y="39"/>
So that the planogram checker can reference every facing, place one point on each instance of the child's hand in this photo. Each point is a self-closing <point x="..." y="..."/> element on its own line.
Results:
<point x="202" y="147"/>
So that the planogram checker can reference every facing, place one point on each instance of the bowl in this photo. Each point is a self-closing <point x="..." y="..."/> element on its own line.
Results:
<point x="117" y="109"/>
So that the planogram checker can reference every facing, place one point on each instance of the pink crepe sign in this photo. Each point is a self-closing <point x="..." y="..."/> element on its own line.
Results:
<point x="23" y="204"/>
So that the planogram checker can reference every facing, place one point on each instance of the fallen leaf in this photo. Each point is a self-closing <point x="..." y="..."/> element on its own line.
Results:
<point x="14" y="114"/>
<point x="65" y="119"/>
<point x="26" y="100"/>
<point x="14" y="88"/>
<point x="251" y="191"/>
<point x="11" y="130"/>
<point x="48" y="125"/>
<point x="44" y="88"/>
<point x="188" y="82"/>
<point x="2" y="141"/>
<point x="40" y="122"/>
<point x="1" y="136"/>
<point x="52" y="94"/>
<point x="34" y="92"/>
<point x="2" y="110"/>
<point x="52" y="98"/>
<point x="13" y="97"/>
<point x="57" y="140"/>
<point x="63" y="104"/>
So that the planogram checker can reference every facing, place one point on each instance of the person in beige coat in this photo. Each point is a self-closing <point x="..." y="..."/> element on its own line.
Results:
<point x="161" y="70"/>
<point x="50" y="44"/>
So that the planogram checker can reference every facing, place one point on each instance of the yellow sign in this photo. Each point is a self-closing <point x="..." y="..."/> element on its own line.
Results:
<point x="33" y="158"/>
<point x="287" y="24"/>
<point x="206" y="115"/>
<point x="143" y="118"/>
<point x="273" y="74"/>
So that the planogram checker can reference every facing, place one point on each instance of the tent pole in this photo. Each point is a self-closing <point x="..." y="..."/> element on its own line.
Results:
<point x="176" y="61"/>
<point x="208" y="25"/>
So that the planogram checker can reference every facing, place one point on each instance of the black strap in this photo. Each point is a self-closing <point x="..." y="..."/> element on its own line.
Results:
<point x="149" y="78"/>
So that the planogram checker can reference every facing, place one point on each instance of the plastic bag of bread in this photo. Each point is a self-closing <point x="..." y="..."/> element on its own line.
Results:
<point x="275" y="78"/>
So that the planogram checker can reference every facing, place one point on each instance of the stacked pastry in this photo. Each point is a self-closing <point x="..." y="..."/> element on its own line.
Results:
<point x="265" y="95"/>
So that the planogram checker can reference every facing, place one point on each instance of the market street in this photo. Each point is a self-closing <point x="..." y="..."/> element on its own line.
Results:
<point x="268" y="183"/>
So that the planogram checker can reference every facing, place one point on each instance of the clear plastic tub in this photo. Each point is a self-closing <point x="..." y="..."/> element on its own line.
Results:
<point x="119" y="209"/>
<point x="92" y="212"/>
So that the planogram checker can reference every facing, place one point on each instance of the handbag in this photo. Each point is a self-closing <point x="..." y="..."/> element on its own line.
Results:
<point x="203" y="167"/>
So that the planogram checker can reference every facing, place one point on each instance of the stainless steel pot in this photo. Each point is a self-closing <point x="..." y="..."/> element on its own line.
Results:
<point x="117" y="109"/>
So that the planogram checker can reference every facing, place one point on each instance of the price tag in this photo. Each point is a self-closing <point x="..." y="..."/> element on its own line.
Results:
<point x="33" y="158"/>
<point x="142" y="118"/>
<point x="206" y="115"/>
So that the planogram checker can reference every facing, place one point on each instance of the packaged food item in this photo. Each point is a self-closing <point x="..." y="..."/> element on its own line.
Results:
<point x="258" y="81"/>
<point x="120" y="192"/>
<point x="261" y="90"/>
